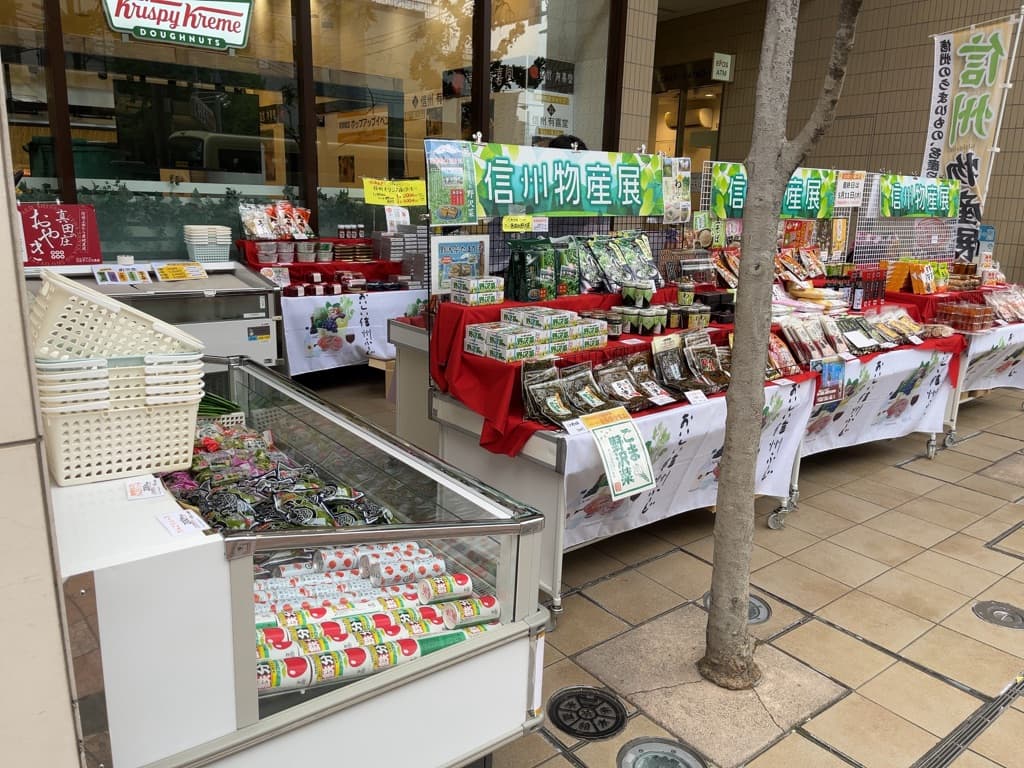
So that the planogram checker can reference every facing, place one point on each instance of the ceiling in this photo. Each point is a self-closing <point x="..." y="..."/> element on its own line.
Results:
<point x="673" y="9"/>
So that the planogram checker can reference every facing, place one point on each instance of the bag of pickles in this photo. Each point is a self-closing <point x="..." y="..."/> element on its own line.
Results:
<point x="567" y="266"/>
<point x="617" y="385"/>
<point x="541" y="371"/>
<point x="581" y="390"/>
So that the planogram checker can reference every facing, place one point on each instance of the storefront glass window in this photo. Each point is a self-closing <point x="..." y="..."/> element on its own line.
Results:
<point x="23" y="58"/>
<point x="548" y="67"/>
<point x="388" y="74"/>
<point x="178" y="127"/>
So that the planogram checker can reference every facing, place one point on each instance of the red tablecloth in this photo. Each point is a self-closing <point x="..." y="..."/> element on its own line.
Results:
<point x="489" y="387"/>
<point x="928" y="304"/>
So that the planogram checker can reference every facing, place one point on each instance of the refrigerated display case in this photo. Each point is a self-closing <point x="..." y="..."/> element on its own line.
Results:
<point x="165" y="617"/>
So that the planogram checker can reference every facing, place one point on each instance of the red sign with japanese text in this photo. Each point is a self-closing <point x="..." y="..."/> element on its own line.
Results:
<point x="60" y="235"/>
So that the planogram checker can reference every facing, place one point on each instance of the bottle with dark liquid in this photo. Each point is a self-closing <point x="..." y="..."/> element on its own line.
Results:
<point x="858" y="292"/>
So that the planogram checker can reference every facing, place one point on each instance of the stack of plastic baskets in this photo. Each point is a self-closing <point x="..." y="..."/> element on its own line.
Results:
<point x="208" y="244"/>
<point x="119" y="390"/>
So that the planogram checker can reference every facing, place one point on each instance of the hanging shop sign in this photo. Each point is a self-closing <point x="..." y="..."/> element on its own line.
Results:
<point x="510" y="180"/>
<point x="385" y="192"/>
<point x="810" y="194"/>
<point x="970" y="74"/>
<point x="215" y="24"/>
<point x="675" y="186"/>
<point x="918" y="197"/>
<point x="60" y="235"/>
<point x="849" y="188"/>
<point x="721" y="67"/>
<point x="363" y="126"/>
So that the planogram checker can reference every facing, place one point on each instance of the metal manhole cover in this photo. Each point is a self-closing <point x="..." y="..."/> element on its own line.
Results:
<point x="658" y="753"/>
<point x="586" y="712"/>
<point x="1000" y="614"/>
<point x="758" y="611"/>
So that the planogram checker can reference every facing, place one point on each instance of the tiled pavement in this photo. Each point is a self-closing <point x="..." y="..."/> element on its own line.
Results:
<point x="871" y="584"/>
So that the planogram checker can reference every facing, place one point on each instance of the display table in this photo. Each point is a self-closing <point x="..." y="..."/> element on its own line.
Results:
<point x="323" y="332"/>
<point x="490" y="388"/>
<point x="412" y="374"/>
<point x="562" y="476"/>
<point x="993" y="358"/>
<point x="888" y="394"/>
<point x="928" y="304"/>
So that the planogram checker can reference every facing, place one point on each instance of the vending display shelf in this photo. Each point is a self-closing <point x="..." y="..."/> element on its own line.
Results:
<point x="155" y="595"/>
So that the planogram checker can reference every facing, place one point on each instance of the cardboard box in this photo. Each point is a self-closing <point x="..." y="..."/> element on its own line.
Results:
<point x="478" y="284"/>
<point x="487" y="298"/>
<point x="513" y="355"/>
<point x="512" y="339"/>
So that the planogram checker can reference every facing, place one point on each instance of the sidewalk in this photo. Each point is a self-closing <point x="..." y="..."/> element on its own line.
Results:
<point x="872" y="655"/>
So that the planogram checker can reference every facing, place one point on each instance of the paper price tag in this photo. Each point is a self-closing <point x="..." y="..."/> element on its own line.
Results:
<point x="695" y="396"/>
<point x="143" y="488"/>
<point x="182" y="522"/>
<point x="847" y="356"/>
<point x="782" y="382"/>
<point x="633" y="342"/>
<point x="573" y="427"/>
<point x="662" y="399"/>
<point x="915" y="339"/>
<point x="540" y="223"/>
<point x="189" y="270"/>
<point x="517" y="224"/>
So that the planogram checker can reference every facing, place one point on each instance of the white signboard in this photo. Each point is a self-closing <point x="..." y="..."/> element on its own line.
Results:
<point x="721" y="67"/>
<point x="849" y="188"/>
<point x="216" y="24"/>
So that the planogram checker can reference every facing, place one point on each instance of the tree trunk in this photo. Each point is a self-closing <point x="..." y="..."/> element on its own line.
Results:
<point x="729" y="657"/>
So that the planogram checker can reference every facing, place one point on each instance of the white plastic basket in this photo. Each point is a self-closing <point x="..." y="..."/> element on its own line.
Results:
<point x="208" y="252"/>
<point x="70" y="321"/>
<point x="88" y="446"/>
<point x="236" y="419"/>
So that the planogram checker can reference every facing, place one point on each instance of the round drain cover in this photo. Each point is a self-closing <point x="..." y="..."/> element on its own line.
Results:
<point x="758" y="611"/>
<point x="1001" y="614"/>
<point x="586" y="712"/>
<point x="658" y="753"/>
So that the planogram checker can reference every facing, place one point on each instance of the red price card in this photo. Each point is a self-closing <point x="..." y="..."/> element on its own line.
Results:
<point x="60" y="235"/>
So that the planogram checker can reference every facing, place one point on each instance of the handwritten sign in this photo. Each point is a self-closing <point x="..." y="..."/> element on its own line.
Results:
<point x="623" y="452"/>
<point x="186" y="270"/>
<point x="404" y="193"/>
<point x="60" y="235"/>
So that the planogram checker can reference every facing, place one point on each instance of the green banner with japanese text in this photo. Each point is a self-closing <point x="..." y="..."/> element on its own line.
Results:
<point x="511" y="180"/>
<point x="918" y="197"/>
<point x="810" y="194"/>
<point x="728" y="190"/>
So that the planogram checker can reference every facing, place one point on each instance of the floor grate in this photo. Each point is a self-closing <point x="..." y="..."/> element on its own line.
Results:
<point x="587" y="712"/>
<point x="758" y="610"/>
<point x="658" y="753"/>
<point x="1000" y="614"/>
<point x="959" y="740"/>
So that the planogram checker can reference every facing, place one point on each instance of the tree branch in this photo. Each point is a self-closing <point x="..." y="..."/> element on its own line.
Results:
<point x="824" y="113"/>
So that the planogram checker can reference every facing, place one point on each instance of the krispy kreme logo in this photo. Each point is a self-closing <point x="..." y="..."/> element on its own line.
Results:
<point x="216" y="24"/>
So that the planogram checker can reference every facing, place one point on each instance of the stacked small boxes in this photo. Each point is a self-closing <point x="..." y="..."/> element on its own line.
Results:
<point x="478" y="291"/>
<point x="525" y="333"/>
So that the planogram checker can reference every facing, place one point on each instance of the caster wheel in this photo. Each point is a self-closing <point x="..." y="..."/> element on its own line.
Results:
<point x="951" y="440"/>
<point x="776" y="521"/>
<point x="931" y="450"/>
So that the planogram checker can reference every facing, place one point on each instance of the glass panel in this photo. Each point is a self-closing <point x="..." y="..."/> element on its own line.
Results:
<point x="22" y="53"/>
<point x="548" y="65"/>
<point x="351" y="629"/>
<point x="168" y="134"/>
<point x="388" y="73"/>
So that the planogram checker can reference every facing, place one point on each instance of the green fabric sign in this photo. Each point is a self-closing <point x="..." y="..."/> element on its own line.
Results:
<point x="537" y="180"/>
<point x="919" y="197"/>
<point x="728" y="190"/>
<point x="810" y="194"/>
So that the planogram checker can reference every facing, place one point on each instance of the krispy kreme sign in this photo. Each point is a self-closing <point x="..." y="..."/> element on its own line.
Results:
<point x="216" y="24"/>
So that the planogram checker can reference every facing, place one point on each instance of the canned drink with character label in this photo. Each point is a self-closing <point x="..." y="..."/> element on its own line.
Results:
<point x="278" y="674"/>
<point x="292" y="569"/>
<point x="336" y="559"/>
<point x="463" y="613"/>
<point x="438" y="589"/>
<point x="327" y="666"/>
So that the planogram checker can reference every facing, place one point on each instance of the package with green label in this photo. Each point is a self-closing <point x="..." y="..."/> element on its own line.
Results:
<point x="512" y="355"/>
<point x="477" y="299"/>
<point x="581" y="390"/>
<point x="539" y="371"/>
<point x="617" y="385"/>
<point x="542" y="317"/>
<point x="513" y="338"/>
<point x="551" y="402"/>
<point x="532" y="270"/>
<point x="474" y="347"/>
<point x="478" y="284"/>
<point x="481" y="331"/>
<point x="588" y="328"/>
<point x="567" y="266"/>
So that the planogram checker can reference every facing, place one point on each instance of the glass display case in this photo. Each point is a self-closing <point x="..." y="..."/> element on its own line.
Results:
<point x="282" y="633"/>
